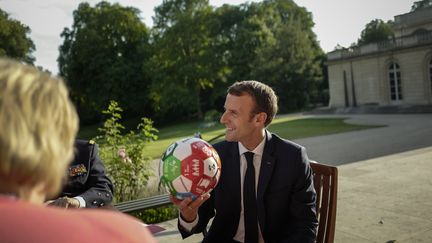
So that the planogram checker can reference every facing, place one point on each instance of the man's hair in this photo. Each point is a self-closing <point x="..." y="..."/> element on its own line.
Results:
<point x="38" y="125"/>
<point x="264" y="97"/>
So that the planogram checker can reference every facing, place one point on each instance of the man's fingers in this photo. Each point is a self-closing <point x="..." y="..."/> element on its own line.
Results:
<point x="188" y="203"/>
<point x="189" y="208"/>
<point x="199" y="201"/>
<point x="174" y="200"/>
<point x="185" y="203"/>
<point x="65" y="202"/>
<point x="72" y="203"/>
<point x="181" y="204"/>
<point x="59" y="202"/>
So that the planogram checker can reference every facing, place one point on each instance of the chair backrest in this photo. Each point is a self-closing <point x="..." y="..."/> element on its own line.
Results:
<point x="325" y="182"/>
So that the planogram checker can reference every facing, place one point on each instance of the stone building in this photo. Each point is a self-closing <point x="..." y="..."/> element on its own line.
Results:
<point x="397" y="72"/>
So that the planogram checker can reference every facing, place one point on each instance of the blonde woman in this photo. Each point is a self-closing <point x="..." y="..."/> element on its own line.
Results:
<point x="38" y="124"/>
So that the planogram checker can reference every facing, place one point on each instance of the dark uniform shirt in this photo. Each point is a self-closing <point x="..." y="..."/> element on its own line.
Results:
<point x="87" y="178"/>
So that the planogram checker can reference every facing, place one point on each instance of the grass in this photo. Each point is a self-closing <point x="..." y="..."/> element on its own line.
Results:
<point x="310" y="127"/>
<point x="289" y="127"/>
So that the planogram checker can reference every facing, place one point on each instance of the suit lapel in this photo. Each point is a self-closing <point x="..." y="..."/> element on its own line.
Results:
<point x="267" y="165"/>
<point x="235" y="173"/>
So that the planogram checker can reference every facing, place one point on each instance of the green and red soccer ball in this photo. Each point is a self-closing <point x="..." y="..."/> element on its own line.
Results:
<point x="189" y="168"/>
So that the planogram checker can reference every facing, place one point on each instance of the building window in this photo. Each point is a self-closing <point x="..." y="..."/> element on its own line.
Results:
<point x="395" y="82"/>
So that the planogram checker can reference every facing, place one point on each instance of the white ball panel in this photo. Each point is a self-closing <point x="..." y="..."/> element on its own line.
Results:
<point x="182" y="151"/>
<point x="210" y="167"/>
<point x="182" y="184"/>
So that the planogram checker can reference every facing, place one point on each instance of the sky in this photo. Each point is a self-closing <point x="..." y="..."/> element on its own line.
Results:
<point x="336" y="21"/>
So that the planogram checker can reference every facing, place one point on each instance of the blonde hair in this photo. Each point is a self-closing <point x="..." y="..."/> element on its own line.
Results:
<point x="38" y="125"/>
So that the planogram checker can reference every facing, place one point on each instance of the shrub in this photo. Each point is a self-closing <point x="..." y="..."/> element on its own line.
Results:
<point x="123" y="155"/>
<point x="157" y="215"/>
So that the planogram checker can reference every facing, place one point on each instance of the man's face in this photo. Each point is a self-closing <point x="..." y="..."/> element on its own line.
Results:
<point x="241" y="125"/>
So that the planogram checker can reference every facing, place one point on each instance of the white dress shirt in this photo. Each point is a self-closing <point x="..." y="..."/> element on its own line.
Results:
<point x="258" y="152"/>
<point x="81" y="201"/>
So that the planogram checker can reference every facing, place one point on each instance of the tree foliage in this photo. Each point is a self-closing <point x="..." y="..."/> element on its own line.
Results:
<point x="421" y="4"/>
<point x="103" y="57"/>
<point x="375" y="31"/>
<point x="289" y="57"/>
<point x="200" y="51"/>
<point x="182" y="66"/>
<point x="270" y="41"/>
<point x="194" y="51"/>
<point x="14" y="39"/>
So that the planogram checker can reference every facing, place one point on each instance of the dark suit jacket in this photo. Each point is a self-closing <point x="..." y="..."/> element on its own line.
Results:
<point x="86" y="176"/>
<point x="285" y="195"/>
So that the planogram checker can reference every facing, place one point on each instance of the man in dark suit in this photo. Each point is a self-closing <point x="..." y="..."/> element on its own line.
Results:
<point x="265" y="192"/>
<point x="87" y="185"/>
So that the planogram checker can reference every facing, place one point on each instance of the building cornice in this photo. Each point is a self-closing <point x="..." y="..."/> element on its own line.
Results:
<point x="396" y="44"/>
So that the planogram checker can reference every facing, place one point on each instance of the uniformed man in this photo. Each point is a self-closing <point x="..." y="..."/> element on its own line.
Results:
<point x="87" y="185"/>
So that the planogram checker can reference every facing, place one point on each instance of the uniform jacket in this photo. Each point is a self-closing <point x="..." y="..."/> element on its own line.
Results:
<point x="87" y="178"/>
<point x="285" y="195"/>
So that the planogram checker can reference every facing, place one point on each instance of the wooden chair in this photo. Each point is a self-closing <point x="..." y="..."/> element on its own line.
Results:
<point x="325" y="182"/>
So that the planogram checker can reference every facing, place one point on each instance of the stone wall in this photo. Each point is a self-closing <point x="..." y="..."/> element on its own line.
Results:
<point x="369" y="74"/>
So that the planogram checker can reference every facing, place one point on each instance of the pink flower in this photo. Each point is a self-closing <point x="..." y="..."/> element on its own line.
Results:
<point x="123" y="155"/>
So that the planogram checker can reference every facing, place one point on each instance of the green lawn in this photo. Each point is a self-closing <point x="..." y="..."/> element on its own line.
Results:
<point x="289" y="127"/>
<point x="309" y="127"/>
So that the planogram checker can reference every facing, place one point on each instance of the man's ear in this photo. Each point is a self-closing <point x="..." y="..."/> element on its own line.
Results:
<point x="261" y="118"/>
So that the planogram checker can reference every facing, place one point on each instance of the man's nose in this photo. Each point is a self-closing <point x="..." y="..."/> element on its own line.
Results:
<point x="223" y="118"/>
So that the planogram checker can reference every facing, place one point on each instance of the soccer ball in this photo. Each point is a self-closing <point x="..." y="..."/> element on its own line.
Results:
<point x="189" y="168"/>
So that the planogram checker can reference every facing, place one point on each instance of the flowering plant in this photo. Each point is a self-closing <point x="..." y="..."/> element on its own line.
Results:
<point x="123" y="153"/>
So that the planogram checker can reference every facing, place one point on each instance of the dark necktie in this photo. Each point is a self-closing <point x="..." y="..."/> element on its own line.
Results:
<point x="249" y="202"/>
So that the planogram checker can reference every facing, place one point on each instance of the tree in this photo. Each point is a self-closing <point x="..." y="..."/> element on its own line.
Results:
<point x="271" y="41"/>
<point x="251" y="33"/>
<point x="14" y="39"/>
<point x="421" y="4"/>
<point x="182" y="64"/>
<point x="289" y="57"/>
<point x="375" y="31"/>
<point x="103" y="58"/>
